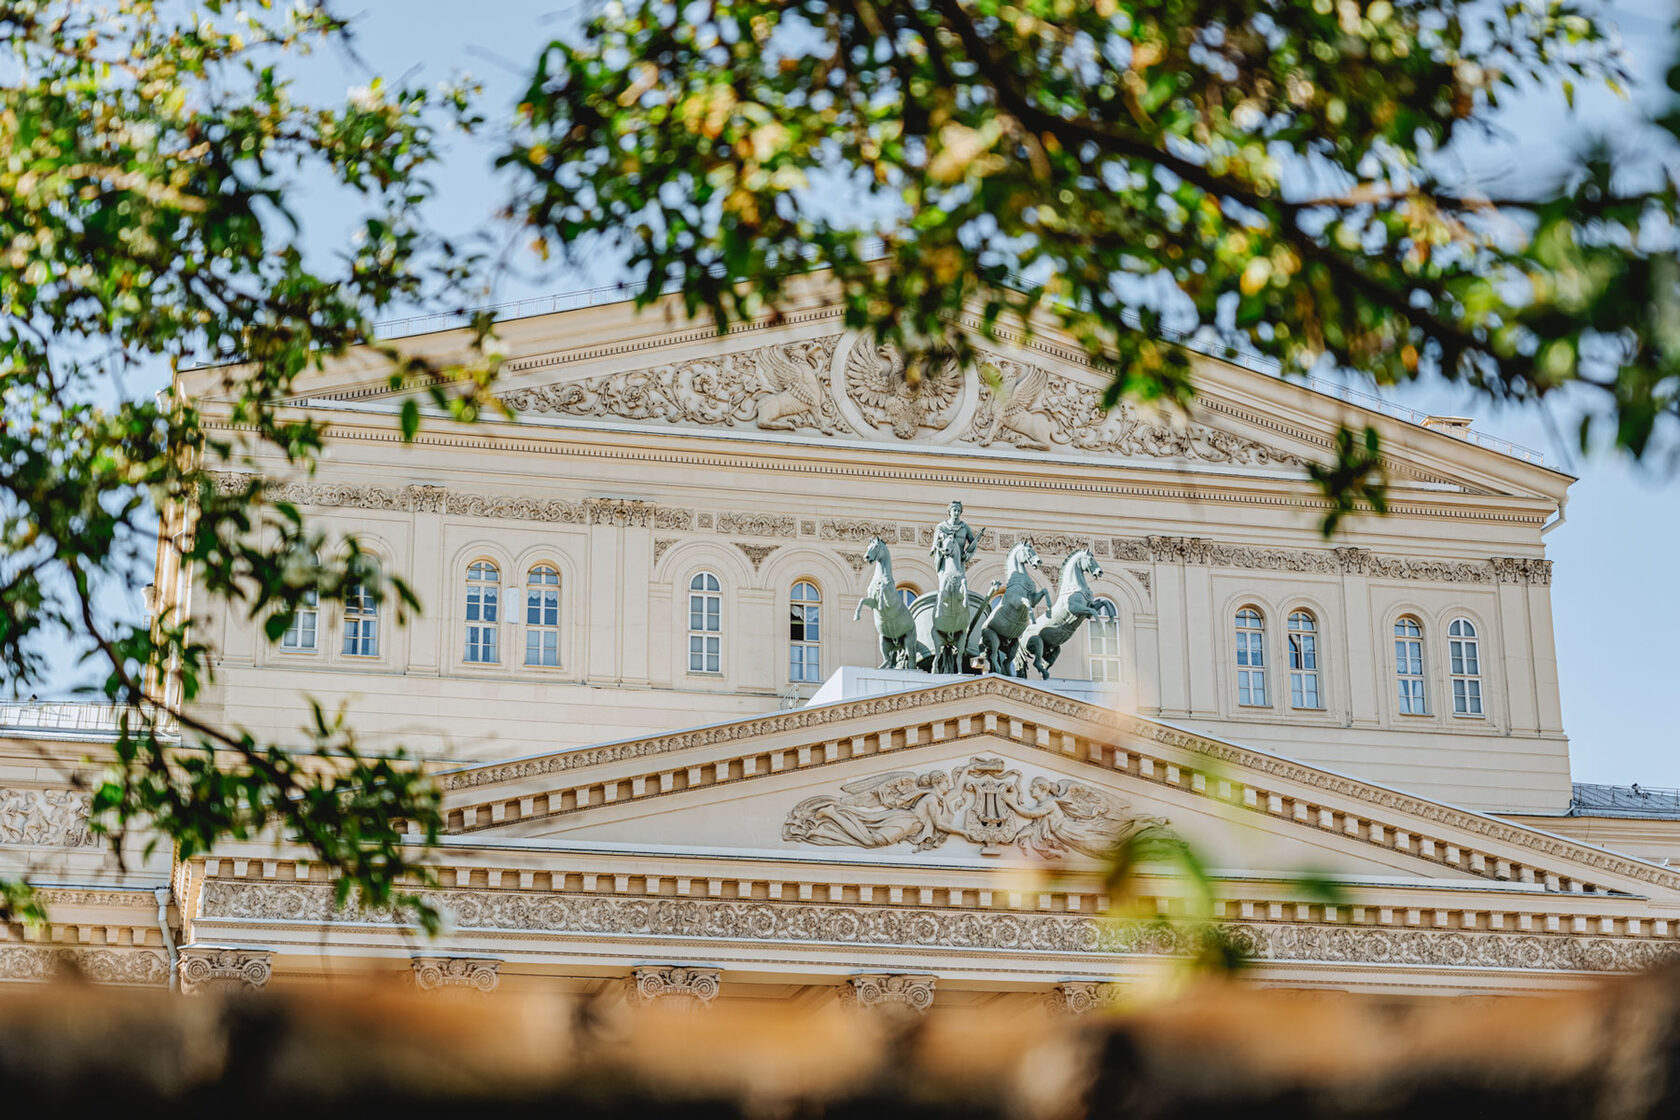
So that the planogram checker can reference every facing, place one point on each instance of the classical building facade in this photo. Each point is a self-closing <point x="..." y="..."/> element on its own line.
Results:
<point x="673" y="676"/>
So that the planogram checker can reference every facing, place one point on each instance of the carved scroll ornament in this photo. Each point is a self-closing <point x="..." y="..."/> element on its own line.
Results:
<point x="980" y="801"/>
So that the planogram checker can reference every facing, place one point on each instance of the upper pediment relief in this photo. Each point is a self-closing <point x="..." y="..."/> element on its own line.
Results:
<point x="845" y="386"/>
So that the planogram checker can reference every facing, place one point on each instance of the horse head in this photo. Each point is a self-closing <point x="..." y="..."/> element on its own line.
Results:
<point x="1024" y="556"/>
<point x="877" y="552"/>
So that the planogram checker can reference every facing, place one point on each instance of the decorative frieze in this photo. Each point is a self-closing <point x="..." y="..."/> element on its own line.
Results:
<point x="1078" y="997"/>
<point x="902" y="992"/>
<point x="131" y="967"/>
<point x="920" y="928"/>
<point x="674" y="985"/>
<point x="758" y="525"/>
<point x="46" y="818"/>
<point x="206" y="968"/>
<point x="476" y="974"/>
<point x="858" y="532"/>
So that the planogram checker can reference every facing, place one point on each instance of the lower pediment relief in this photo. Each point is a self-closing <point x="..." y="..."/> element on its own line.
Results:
<point x="983" y="801"/>
<point x="1359" y="936"/>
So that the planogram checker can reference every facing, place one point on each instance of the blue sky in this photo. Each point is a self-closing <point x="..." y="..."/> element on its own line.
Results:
<point x="1616" y="606"/>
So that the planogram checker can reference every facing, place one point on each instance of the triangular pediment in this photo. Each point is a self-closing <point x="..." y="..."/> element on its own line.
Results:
<point x="804" y="377"/>
<point x="993" y="770"/>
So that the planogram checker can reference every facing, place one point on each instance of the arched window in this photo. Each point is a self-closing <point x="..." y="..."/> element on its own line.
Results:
<point x="1465" y="665"/>
<point x="705" y="624"/>
<point x="804" y="634"/>
<point x="1408" y="666"/>
<point x="361" y="622"/>
<point x="1104" y="628"/>
<point x="1303" y="661"/>
<point x="907" y="594"/>
<point x="542" y="616"/>
<point x="300" y="635"/>
<point x="483" y="596"/>
<point x="1251" y="658"/>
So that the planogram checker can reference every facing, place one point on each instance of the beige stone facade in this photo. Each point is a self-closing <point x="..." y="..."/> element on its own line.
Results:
<point x="616" y="804"/>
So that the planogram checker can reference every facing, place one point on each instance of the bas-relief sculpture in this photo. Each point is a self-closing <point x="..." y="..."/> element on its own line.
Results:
<point x="54" y="818"/>
<point x="851" y="387"/>
<point x="980" y="801"/>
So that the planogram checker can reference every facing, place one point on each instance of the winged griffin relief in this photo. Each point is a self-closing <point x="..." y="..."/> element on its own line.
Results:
<point x="980" y="801"/>
<point x="851" y="387"/>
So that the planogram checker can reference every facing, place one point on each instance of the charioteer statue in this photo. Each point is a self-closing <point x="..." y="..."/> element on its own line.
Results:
<point x="954" y="629"/>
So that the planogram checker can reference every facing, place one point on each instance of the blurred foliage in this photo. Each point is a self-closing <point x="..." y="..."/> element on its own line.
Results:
<point x="1267" y="176"/>
<point x="152" y="155"/>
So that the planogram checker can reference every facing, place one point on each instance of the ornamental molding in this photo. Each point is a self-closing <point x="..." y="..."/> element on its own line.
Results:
<point x="982" y="801"/>
<point x="757" y="553"/>
<point x="1080" y="997"/>
<point x="130" y="967"/>
<point x="901" y="992"/>
<point x="1111" y="722"/>
<point x="673" y="984"/>
<point x="916" y="929"/>
<point x="206" y="969"/>
<point x="473" y="974"/>
<point x="46" y="818"/>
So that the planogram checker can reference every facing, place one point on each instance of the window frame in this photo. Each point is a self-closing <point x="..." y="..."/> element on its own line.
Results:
<point x="359" y="610"/>
<point x="1303" y="644"/>
<point x="1409" y="669"/>
<point x="710" y="638"/>
<point x="1250" y="642"/>
<point x="541" y="629"/>
<point x="1458" y="645"/>
<point x="1107" y="625"/>
<point x="808" y="612"/>
<point x="482" y="614"/>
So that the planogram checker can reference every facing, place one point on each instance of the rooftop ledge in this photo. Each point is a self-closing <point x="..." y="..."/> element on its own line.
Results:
<point x="853" y="682"/>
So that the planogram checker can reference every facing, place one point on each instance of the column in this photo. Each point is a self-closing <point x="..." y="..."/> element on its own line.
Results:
<point x="211" y="969"/>
<point x="469" y="974"/>
<point x="673" y="986"/>
<point x="901" y="993"/>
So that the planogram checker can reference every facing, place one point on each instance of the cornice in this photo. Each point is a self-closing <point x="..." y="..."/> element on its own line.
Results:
<point x="1104" y="752"/>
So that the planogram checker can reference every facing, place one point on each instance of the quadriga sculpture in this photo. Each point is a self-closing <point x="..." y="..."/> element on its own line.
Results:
<point x="894" y="626"/>
<point x="951" y="614"/>
<point x="1044" y="638"/>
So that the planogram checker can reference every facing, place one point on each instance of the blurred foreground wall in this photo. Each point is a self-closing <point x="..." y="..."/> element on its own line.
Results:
<point x="1212" y="1050"/>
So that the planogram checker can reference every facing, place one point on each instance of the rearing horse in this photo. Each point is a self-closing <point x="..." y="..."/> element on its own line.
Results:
<point x="1042" y="643"/>
<point x="951" y="616"/>
<point x="893" y="623"/>
<point x="1013" y="610"/>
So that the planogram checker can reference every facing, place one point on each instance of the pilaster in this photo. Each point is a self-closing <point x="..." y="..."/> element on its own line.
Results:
<point x="427" y="629"/>
<point x="1360" y="653"/>
<point x="1513" y="643"/>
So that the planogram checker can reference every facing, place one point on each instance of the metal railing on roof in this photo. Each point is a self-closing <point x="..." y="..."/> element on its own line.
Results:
<point x="1593" y="799"/>
<point x="1257" y="363"/>
<point x="61" y="715"/>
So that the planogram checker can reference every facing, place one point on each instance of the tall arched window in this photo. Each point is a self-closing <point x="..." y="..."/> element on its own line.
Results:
<point x="1303" y="661"/>
<point x="1465" y="665"/>
<point x="361" y="622"/>
<point x="300" y="635"/>
<point x="483" y="617"/>
<point x="804" y="633"/>
<point x="1104" y="628"/>
<point x="1251" y="658"/>
<point x="542" y="616"/>
<point x="1408" y="666"/>
<point x="907" y="594"/>
<point x="705" y="624"/>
